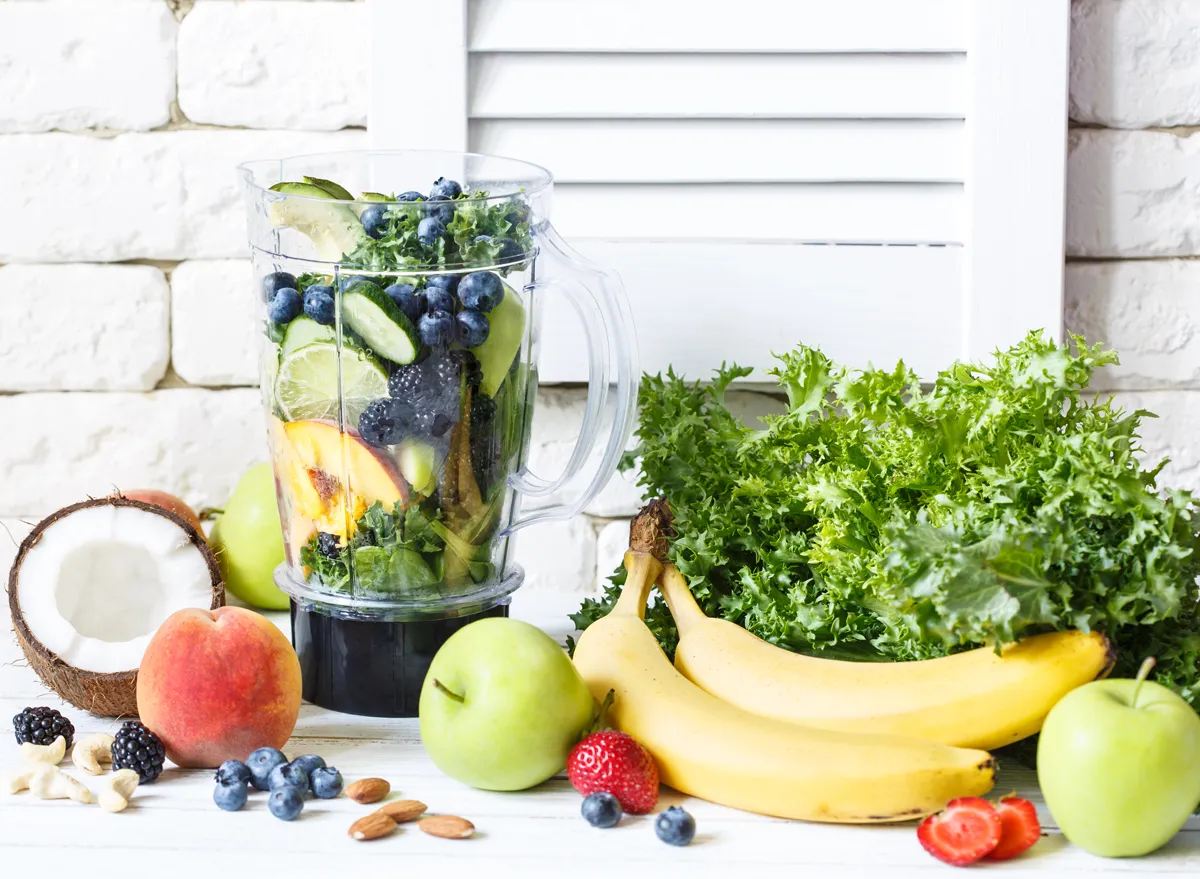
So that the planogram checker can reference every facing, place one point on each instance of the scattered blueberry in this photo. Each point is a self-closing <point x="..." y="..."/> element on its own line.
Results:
<point x="318" y="304"/>
<point x="260" y="764"/>
<point x="382" y="423"/>
<point x="329" y="545"/>
<point x="439" y="299"/>
<point x="430" y="230"/>
<point x="410" y="301"/>
<point x="509" y="251"/>
<point x="518" y="212"/>
<point x="481" y="291"/>
<point x="286" y="802"/>
<point x="276" y="281"/>
<point x="436" y="329"/>
<point x="289" y="774"/>
<point x="472" y="328"/>
<point x="232" y="770"/>
<point x="445" y="188"/>
<point x="441" y="207"/>
<point x="450" y="282"/>
<point x="375" y="220"/>
<point x="479" y="239"/>
<point x="410" y="196"/>
<point x="285" y="306"/>
<point x="230" y="795"/>
<point x="310" y="763"/>
<point x="601" y="809"/>
<point x="675" y="826"/>
<point x="326" y="783"/>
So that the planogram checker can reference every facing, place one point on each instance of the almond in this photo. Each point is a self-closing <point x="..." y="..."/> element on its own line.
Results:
<point x="368" y="790"/>
<point x="447" y="826"/>
<point x="403" y="810"/>
<point x="372" y="826"/>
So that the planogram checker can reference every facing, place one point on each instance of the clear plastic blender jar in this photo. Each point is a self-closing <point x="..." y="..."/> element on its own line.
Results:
<point x="400" y="300"/>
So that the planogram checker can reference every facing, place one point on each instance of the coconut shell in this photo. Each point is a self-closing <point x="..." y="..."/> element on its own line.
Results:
<point x="112" y="694"/>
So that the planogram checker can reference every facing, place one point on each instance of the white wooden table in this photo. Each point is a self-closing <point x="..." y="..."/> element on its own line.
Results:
<point x="173" y="829"/>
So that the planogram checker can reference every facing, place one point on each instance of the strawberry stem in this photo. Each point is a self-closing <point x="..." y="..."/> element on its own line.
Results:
<point x="448" y="692"/>
<point x="1142" y="674"/>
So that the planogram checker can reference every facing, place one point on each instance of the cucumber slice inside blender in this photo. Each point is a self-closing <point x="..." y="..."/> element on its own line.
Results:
<point x="305" y="331"/>
<point x="307" y="384"/>
<point x="380" y="323"/>
<point x="333" y="228"/>
<point x="503" y="343"/>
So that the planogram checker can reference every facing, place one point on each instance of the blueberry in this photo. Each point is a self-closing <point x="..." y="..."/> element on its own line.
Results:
<point x="375" y="221"/>
<point x="286" y="803"/>
<point x="509" y="251"/>
<point x="601" y="809"/>
<point x="481" y="291"/>
<point x="436" y="329"/>
<point x="318" y="304"/>
<point x="472" y="328"/>
<point x="445" y="188"/>
<point x="310" y="763"/>
<point x="285" y="306"/>
<point x="518" y="212"/>
<point x="441" y="207"/>
<point x="430" y="230"/>
<point x="289" y="774"/>
<point x="410" y="196"/>
<point x="260" y="764"/>
<point x="450" y="282"/>
<point x="382" y="423"/>
<point x="329" y="545"/>
<point x="349" y="281"/>
<point x="230" y="795"/>
<point x="440" y="299"/>
<point x="410" y="301"/>
<point x="675" y="826"/>
<point x="275" y="282"/>
<point x="232" y="770"/>
<point x="482" y="238"/>
<point x="326" y="783"/>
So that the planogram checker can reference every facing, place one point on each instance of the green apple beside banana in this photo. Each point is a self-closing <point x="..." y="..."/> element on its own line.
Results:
<point x="248" y="540"/>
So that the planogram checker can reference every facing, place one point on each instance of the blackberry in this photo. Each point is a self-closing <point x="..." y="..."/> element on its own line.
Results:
<point x="138" y="749"/>
<point x="329" y="545"/>
<point x="407" y="382"/>
<point x="469" y="366"/>
<point x="42" y="726"/>
<point x="381" y="423"/>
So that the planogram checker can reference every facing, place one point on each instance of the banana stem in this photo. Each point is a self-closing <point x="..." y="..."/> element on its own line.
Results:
<point x="680" y="601"/>
<point x="641" y="569"/>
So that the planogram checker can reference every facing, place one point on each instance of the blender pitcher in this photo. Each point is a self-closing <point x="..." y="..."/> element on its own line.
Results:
<point x="399" y="375"/>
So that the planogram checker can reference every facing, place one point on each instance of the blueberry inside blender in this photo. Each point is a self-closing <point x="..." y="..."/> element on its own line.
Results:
<point x="398" y="378"/>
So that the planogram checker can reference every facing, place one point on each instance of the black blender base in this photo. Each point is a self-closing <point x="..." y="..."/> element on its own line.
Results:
<point x="367" y="667"/>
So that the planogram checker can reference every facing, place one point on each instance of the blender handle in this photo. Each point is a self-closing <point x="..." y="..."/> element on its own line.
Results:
<point x="612" y="369"/>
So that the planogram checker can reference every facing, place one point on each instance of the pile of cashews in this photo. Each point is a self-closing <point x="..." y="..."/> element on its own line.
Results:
<point x="39" y="773"/>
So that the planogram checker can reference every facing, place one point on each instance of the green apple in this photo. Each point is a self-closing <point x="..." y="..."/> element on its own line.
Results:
<point x="248" y="540"/>
<point x="502" y="705"/>
<point x="1119" y="765"/>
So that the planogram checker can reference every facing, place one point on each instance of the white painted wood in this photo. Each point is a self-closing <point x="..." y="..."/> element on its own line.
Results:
<point x="414" y="44"/>
<point x="712" y="151"/>
<point x="561" y="85"/>
<point x="717" y="26"/>
<point x="894" y="213"/>
<point x="1016" y="141"/>
<point x="696" y="304"/>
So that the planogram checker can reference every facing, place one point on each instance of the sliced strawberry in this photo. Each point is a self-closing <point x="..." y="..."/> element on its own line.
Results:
<point x="966" y="830"/>
<point x="1020" y="828"/>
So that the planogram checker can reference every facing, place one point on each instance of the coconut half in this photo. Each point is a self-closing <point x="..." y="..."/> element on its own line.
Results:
<point x="93" y="582"/>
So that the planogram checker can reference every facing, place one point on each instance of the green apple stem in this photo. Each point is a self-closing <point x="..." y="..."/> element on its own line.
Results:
<point x="1142" y="674"/>
<point x="453" y="695"/>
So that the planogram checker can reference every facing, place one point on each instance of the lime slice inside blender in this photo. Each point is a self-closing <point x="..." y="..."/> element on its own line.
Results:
<point x="307" y="384"/>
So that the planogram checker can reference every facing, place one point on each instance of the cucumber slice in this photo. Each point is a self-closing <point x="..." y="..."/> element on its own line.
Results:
<point x="306" y="331"/>
<point x="334" y="228"/>
<point x="334" y="189"/>
<point x="307" y="384"/>
<point x="503" y="343"/>
<point x="380" y="323"/>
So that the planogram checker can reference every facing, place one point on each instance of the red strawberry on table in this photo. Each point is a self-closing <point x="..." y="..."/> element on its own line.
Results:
<point x="1020" y="828"/>
<point x="618" y="764"/>
<point x="962" y="833"/>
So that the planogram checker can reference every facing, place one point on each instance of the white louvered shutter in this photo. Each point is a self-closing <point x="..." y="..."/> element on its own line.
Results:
<point x="883" y="178"/>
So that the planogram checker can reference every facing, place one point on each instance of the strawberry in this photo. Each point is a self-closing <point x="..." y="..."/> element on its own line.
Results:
<point x="1019" y="828"/>
<point x="616" y="763"/>
<point x="962" y="833"/>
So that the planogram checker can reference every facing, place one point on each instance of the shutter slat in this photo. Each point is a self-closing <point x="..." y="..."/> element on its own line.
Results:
<point x="565" y="86"/>
<point x="850" y="213"/>
<point x="683" y="151"/>
<point x="744" y="26"/>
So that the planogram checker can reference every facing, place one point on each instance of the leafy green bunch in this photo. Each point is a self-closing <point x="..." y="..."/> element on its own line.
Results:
<point x="879" y="520"/>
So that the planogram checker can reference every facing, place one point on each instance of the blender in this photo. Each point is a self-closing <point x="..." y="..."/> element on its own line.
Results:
<point x="401" y="296"/>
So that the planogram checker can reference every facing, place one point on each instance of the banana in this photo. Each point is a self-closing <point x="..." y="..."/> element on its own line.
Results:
<point x="718" y="752"/>
<point x="974" y="699"/>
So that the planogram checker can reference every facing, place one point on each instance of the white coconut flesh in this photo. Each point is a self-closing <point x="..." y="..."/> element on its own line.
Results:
<point x="100" y="582"/>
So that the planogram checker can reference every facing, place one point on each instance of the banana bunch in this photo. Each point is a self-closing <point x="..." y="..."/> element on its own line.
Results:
<point x="714" y="750"/>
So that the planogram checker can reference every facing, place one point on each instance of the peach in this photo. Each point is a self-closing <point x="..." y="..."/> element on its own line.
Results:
<point x="215" y="685"/>
<point x="168" y="502"/>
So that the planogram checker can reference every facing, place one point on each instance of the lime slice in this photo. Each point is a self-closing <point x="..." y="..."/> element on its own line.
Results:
<point x="307" y="385"/>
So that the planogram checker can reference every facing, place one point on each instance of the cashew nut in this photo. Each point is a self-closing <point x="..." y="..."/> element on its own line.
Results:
<point x="55" y="784"/>
<point x="52" y="753"/>
<point x="19" y="779"/>
<point x="89" y="753"/>
<point x="117" y="790"/>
